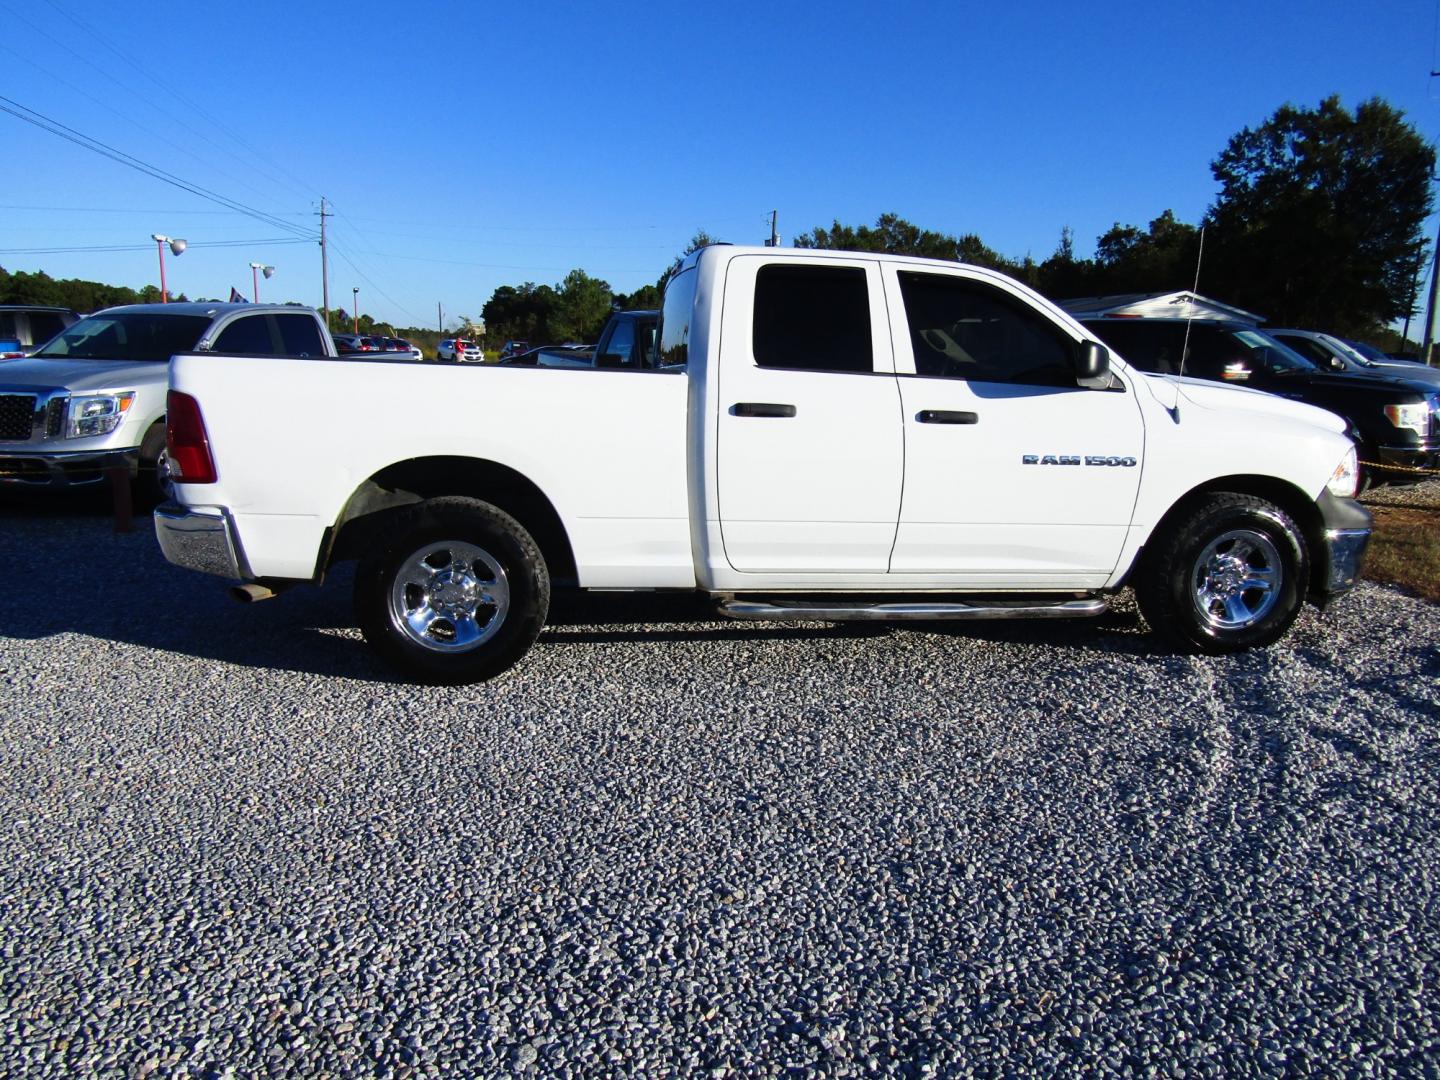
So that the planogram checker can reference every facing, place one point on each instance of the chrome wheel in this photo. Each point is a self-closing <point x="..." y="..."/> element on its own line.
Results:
<point x="1237" y="580"/>
<point x="449" y="596"/>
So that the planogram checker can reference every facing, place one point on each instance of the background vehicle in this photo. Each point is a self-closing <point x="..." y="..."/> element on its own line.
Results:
<point x="627" y="341"/>
<point x="469" y="353"/>
<point x="762" y="461"/>
<point x="1394" y="425"/>
<point x="1330" y="353"/>
<point x="514" y="348"/>
<point x="95" y="396"/>
<point x="1404" y="364"/>
<point x="23" y="328"/>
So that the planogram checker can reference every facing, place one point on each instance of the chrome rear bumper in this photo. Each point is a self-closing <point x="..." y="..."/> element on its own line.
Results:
<point x="202" y="540"/>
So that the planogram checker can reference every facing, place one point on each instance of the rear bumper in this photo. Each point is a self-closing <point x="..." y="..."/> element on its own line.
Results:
<point x="202" y="540"/>
<point x="31" y="470"/>
<point x="1347" y="527"/>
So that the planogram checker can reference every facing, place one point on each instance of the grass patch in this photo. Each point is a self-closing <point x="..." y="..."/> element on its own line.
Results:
<point x="1405" y="549"/>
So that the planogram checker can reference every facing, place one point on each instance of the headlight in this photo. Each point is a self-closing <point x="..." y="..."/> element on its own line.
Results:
<point x="1414" y="417"/>
<point x="97" y="414"/>
<point x="1346" y="477"/>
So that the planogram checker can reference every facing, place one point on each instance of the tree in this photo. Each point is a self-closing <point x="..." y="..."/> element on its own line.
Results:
<point x="520" y="313"/>
<point x="1319" y="217"/>
<point x="893" y="235"/>
<point x="583" y="305"/>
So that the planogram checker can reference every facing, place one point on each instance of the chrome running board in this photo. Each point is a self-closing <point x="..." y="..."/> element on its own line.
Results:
<point x="764" y="611"/>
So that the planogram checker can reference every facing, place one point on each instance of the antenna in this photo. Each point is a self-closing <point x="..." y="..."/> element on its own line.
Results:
<point x="1185" y="349"/>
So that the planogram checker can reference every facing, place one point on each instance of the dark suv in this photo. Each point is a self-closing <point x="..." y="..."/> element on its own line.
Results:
<point x="25" y="327"/>
<point x="1396" y="427"/>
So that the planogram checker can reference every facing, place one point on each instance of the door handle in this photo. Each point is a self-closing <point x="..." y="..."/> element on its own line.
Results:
<point x="946" y="416"/>
<point x="760" y="408"/>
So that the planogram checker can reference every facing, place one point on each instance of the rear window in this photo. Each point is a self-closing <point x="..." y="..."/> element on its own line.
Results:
<point x="44" y="325"/>
<point x="128" y="336"/>
<point x="675" y="319"/>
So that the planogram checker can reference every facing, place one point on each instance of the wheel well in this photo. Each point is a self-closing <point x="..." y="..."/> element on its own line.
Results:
<point x="376" y="502"/>
<point x="1300" y="506"/>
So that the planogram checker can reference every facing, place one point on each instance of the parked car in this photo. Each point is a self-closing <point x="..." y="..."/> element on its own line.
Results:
<point x="459" y="349"/>
<point x="1403" y="361"/>
<point x="1394" y="426"/>
<point x="357" y="343"/>
<point x="94" y="396"/>
<point x="762" y="462"/>
<point x="1330" y="353"/>
<point x="627" y="341"/>
<point x="514" y="348"/>
<point x="401" y="345"/>
<point x="25" y="327"/>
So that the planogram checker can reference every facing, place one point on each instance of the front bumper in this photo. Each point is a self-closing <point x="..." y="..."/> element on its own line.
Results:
<point x="1346" y="533"/>
<point x="202" y="540"/>
<point x="68" y="470"/>
<point x="1418" y="461"/>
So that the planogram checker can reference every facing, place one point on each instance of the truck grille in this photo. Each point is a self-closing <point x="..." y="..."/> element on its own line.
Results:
<point x="17" y="416"/>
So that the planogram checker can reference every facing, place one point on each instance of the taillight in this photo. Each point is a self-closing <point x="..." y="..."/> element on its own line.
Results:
<point x="186" y="443"/>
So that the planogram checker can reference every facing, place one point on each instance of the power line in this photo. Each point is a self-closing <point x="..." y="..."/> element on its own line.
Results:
<point x="54" y="127"/>
<point x="149" y="247"/>
<point x="170" y="91"/>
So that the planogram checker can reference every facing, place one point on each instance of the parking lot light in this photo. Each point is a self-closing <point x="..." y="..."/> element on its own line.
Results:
<point x="176" y="246"/>
<point x="256" y="269"/>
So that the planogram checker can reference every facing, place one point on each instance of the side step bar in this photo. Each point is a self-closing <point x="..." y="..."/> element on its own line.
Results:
<point x="762" y="611"/>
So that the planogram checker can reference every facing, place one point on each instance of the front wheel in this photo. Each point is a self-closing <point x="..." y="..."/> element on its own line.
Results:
<point x="457" y="596"/>
<point x="1228" y="574"/>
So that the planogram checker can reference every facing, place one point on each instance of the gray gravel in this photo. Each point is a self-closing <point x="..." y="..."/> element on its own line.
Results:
<point x="229" y="846"/>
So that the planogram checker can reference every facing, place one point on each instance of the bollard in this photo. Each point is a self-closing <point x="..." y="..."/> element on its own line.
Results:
<point x="119" y="477"/>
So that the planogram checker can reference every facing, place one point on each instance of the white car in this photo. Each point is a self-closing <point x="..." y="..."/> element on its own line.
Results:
<point x="466" y="352"/>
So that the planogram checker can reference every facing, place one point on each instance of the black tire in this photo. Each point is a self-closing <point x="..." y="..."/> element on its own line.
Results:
<point x="1191" y="582"/>
<point x="483" y="601"/>
<point x="152" y="480"/>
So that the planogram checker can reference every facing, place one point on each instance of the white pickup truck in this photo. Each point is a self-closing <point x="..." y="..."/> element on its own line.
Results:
<point x="823" y="435"/>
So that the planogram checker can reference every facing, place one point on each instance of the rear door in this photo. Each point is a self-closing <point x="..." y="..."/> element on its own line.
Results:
<point x="810" y="449"/>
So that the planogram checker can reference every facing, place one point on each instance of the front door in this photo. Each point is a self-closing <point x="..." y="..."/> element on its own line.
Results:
<point x="1014" y="475"/>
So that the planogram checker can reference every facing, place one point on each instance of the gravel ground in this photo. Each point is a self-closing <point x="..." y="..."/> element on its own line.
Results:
<point x="229" y="846"/>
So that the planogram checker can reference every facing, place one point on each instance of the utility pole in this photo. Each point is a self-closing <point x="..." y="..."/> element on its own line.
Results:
<point x="439" y="317"/>
<point x="774" y="240"/>
<point x="1430" y="305"/>
<point x="324" y="265"/>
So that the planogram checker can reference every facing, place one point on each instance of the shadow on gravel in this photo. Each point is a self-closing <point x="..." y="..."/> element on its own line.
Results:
<point x="69" y="572"/>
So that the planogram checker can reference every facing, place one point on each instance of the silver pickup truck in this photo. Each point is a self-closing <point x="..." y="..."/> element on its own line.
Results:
<point x="94" y="396"/>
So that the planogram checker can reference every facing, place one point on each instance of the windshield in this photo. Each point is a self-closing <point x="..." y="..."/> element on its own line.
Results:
<point x="128" y="336"/>
<point x="1266" y="350"/>
<point x="1366" y="354"/>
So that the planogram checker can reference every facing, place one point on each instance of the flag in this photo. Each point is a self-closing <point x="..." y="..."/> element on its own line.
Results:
<point x="235" y="297"/>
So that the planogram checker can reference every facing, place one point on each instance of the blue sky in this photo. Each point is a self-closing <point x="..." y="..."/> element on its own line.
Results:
<point x="470" y="145"/>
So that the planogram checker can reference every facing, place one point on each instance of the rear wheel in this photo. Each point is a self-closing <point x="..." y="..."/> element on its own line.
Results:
<point x="458" y="595"/>
<point x="1228" y="574"/>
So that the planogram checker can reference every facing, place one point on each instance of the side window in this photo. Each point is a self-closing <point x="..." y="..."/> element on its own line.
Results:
<point x="963" y="329"/>
<point x="647" y="345"/>
<point x="300" y="335"/>
<point x="813" y="318"/>
<point x="620" y="349"/>
<point x="247" y="336"/>
<point x="1311" y="350"/>
<point x="1216" y="355"/>
<point x="1148" y="346"/>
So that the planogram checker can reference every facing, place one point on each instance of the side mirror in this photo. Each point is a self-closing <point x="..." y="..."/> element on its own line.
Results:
<point x="1092" y="366"/>
<point x="609" y="360"/>
<point x="1336" y="364"/>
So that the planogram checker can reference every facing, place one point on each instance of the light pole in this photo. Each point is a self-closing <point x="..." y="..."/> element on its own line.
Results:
<point x="177" y="246"/>
<point x="355" y="306"/>
<point x="256" y="269"/>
